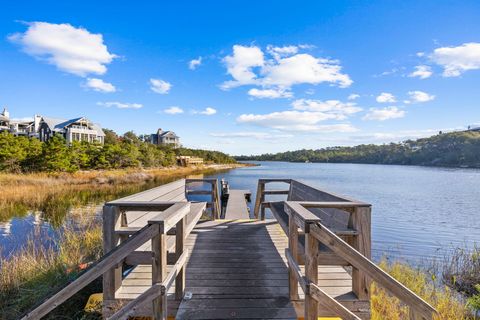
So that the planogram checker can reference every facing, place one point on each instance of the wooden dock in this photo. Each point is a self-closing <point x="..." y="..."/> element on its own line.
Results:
<point x="311" y="260"/>
<point x="237" y="205"/>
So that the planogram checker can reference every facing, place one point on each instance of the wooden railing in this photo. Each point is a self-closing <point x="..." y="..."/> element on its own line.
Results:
<point x="356" y="253"/>
<point x="262" y="192"/>
<point x="214" y="203"/>
<point x="117" y="250"/>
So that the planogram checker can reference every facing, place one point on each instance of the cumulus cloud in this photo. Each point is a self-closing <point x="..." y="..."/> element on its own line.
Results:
<point x="340" y="110"/>
<point x="160" y="86"/>
<point x="280" y="68"/>
<point x="269" y="93"/>
<point x="295" y="121"/>
<point x="70" y="49"/>
<point x="195" y="63"/>
<point x="240" y="65"/>
<point x="173" y="110"/>
<point x="457" y="60"/>
<point x="120" y="105"/>
<point x="382" y="114"/>
<point x="386" y="97"/>
<point x="208" y="111"/>
<point x="251" y="134"/>
<point x="353" y="96"/>
<point x="422" y="72"/>
<point x="420" y="96"/>
<point x="99" y="85"/>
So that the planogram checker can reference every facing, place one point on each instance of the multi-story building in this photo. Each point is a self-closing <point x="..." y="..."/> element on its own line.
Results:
<point x="78" y="129"/>
<point x="165" y="138"/>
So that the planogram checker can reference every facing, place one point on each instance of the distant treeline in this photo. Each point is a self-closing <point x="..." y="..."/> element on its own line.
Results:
<point x="22" y="154"/>
<point x="445" y="149"/>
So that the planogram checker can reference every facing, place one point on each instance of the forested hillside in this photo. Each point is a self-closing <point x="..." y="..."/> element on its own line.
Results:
<point x="448" y="149"/>
<point x="21" y="154"/>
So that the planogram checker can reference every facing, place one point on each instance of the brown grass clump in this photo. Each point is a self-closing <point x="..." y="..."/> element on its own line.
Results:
<point x="35" y="272"/>
<point x="449" y="304"/>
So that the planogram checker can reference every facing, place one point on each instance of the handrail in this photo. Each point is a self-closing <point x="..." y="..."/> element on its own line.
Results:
<point x="214" y="204"/>
<point x="344" y="250"/>
<point x="156" y="290"/>
<point x="260" y="205"/>
<point x="301" y="216"/>
<point x="158" y="226"/>
<point x="93" y="272"/>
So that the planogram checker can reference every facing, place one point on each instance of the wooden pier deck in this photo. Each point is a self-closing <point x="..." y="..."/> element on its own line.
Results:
<point x="236" y="270"/>
<point x="311" y="260"/>
<point x="237" y="205"/>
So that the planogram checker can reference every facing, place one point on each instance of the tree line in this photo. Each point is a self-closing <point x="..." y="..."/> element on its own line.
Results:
<point x="455" y="149"/>
<point x="23" y="154"/>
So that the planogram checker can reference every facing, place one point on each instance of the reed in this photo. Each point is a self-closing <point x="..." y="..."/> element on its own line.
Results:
<point x="449" y="303"/>
<point x="34" y="272"/>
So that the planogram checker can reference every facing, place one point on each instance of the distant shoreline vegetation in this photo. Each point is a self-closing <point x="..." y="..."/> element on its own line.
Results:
<point x="454" y="149"/>
<point x="20" y="154"/>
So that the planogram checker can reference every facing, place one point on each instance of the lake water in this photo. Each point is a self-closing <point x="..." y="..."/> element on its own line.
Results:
<point x="419" y="213"/>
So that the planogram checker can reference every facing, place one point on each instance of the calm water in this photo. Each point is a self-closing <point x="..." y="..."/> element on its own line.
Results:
<point x="418" y="213"/>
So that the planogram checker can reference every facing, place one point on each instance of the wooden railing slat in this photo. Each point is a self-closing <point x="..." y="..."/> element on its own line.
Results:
<point x="345" y="251"/>
<point x="330" y="303"/>
<point x="100" y="267"/>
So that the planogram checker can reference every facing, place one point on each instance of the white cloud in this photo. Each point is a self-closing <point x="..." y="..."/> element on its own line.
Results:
<point x="422" y="72"/>
<point x="382" y="114"/>
<point x="160" y="86"/>
<point x="283" y="68"/>
<point x="99" y="85"/>
<point x="208" y="111"/>
<point x="420" y="96"/>
<point x="252" y="134"/>
<point x="195" y="63"/>
<point x="70" y="49"/>
<point x="121" y="105"/>
<point x="353" y="96"/>
<point x="332" y="107"/>
<point x="240" y="65"/>
<point x="173" y="110"/>
<point x="304" y="68"/>
<point x="386" y="97"/>
<point x="270" y="93"/>
<point x="295" y="121"/>
<point x="457" y="60"/>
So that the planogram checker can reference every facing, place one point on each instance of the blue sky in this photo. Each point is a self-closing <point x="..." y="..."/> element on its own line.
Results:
<point x="247" y="77"/>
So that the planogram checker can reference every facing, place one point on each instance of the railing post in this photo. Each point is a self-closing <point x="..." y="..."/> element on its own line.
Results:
<point x="159" y="272"/>
<point x="311" y="273"/>
<point x="112" y="279"/>
<point x="293" y="248"/>
<point x="360" y="221"/>
<point x="215" y="201"/>
<point x="179" y="248"/>
<point x="259" y="198"/>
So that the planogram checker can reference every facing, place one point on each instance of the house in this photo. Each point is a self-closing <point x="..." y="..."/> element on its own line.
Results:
<point x="189" y="160"/>
<point x="78" y="129"/>
<point x="165" y="138"/>
<point x="5" y="120"/>
<point x="21" y="127"/>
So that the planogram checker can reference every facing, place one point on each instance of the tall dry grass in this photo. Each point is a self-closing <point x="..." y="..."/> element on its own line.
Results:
<point x="449" y="304"/>
<point x="33" y="273"/>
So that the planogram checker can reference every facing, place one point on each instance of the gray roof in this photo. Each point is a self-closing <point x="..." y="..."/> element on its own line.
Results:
<point x="3" y="118"/>
<point x="168" y="133"/>
<point x="60" y="124"/>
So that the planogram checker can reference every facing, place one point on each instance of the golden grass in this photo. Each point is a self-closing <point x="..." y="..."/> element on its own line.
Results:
<point x="35" y="272"/>
<point x="449" y="305"/>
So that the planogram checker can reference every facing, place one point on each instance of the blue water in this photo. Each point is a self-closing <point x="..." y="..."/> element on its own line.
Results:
<point x="418" y="213"/>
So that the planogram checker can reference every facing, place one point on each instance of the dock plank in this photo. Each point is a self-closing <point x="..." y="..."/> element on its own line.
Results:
<point x="236" y="270"/>
<point x="237" y="205"/>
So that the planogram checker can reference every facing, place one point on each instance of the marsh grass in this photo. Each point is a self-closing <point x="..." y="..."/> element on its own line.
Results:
<point x="35" y="272"/>
<point x="449" y="304"/>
